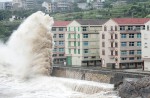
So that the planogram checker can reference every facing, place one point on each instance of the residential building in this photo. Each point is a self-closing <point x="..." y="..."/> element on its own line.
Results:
<point x="82" y="6"/>
<point x="59" y="29"/>
<point x="82" y="42"/>
<point x="50" y="6"/>
<point x="47" y="6"/>
<point x="63" y="6"/>
<point x="146" y="46"/>
<point x="5" y="5"/>
<point x="19" y="4"/>
<point x="30" y="4"/>
<point x="121" y="42"/>
<point x="98" y="4"/>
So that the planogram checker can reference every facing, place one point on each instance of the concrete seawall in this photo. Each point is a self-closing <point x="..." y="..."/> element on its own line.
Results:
<point x="96" y="74"/>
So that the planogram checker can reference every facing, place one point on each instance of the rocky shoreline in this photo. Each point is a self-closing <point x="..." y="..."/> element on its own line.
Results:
<point x="134" y="88"/>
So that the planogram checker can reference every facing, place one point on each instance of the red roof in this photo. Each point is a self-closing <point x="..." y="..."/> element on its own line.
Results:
<point x="131" y="20"/>
<point x="61" y="23"/>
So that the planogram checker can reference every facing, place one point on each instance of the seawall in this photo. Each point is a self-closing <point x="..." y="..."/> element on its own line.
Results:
<point x="96" y="74"/>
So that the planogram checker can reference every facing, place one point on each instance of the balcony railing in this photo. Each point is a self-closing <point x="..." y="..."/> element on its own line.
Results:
<point x="111" y="56"/>
<point x="111" y="40"/>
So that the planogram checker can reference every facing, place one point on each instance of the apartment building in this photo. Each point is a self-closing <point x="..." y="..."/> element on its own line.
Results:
<point x="146" y="46"/>
<point x="5" y="5"/>
<point x="121" y="42"/>
<point x="59" y="29"/>
<point x="82" y="42"/>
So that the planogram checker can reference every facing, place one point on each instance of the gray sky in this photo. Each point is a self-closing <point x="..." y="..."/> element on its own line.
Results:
<point x="4" y="0"/>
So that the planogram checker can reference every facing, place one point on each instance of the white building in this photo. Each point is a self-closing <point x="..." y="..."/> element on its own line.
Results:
<point x="146" y="46"/>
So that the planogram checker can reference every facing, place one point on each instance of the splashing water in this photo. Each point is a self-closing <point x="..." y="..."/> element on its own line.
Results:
<point x="25" y="65"/>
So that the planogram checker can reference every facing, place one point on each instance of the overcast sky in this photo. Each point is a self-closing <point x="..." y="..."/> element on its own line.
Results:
<point x="4" y="0"/>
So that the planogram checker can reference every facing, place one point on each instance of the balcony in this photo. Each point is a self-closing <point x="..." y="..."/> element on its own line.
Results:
<point x="130" y="31"/>
<point x="111" y="56"/>
<point x="91" y="54"/>
<point x="111" y="32"/>
<point x="111" y="40"/>
<point x="112" y="48"/>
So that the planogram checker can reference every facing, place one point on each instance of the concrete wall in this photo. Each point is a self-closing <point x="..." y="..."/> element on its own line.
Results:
<point x="104" y="76"/>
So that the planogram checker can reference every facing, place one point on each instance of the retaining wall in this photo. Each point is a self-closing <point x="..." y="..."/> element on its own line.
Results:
<point x="101" y="75"/>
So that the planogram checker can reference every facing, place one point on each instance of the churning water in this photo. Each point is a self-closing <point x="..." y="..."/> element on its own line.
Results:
<point x="25" y="66"/>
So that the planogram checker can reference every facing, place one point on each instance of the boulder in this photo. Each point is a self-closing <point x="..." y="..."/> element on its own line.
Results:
<point x="135" y="88"/>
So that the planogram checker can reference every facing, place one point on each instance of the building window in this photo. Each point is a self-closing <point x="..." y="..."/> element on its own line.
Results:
<point x="131" y="58"/>
<point x="147" y="27"/>
<point x="103" y="36"/>
<point x="111" y="28"/>
<point x="74" y="43"/>
<point x="143" y="28"/>
<point x="61" y="49"/>
<point x="55" y="43"/>
<point x="86" y="51"/>
<point x="78" y="35"/>
<point x="139" y="52"/>
<point x="112" y="44"/>
<point x="85" y="43"/>
<point x="61" y="35"/>
<point x="61" y="54"/>
<point x="103" y="52"/>
<point x="123" y="36"/>
<point x="115" y="28"/>
<point x="123" y="52"/>
<point x="78" y="51"/>
<point x="116" y="44"/>
<point x="138" y="43"/>
<point x="69" y="36"/>
<point x="130" y="27"/>
<point x="131" y="52"/>
<point x="69" y="51"/>
<point x="78" y="28"/>
<point x="61" y="42"/>
<point x="123" y="59"/>
<point x="85" y="57"/>
<point x="55" y="49"/>
<point x="84" y="28"/>
<point x="74" y="51"/>
<point x="116" y="36"/>
<point x="53" y="28"/>
<point x="112" y="52"/>
<point x="116" y="53"/>
<point x="138" y="58"/>
<point x="111" y="36"/>
<point x="105" y="28"/>
<point x="139" y="35"/>
<point x="69" y="29"/>
<point x="69" y="43"/>
<point x="131" y="43"/>
<point x="103" y="44"/>
<point x="131" y="35"/>
<point x="54" y="55"/>
<point x="60" y="28"/>
<point x="93" y="57"/>
<point x="123" y="44"/>
<point x="74" y="35"/>
<point x="138" y="27"/>
<point x="78" y="43"/>
<point x="54" y="36"/>
<point x="85" y="35"/>
<point x="122" y="28"/>
<point x="74" y="28"/>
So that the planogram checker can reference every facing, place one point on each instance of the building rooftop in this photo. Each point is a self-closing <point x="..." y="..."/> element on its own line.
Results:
<point x="131" y="20"/>
<point x="92" y="21"/>
<point x="61" y="23"/>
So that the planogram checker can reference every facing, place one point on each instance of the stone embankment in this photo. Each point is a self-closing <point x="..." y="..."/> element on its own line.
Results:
<point x="135" y="88"/>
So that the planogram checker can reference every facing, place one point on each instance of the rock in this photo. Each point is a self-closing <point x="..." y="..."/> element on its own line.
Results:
<point x="135" y="88"/>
